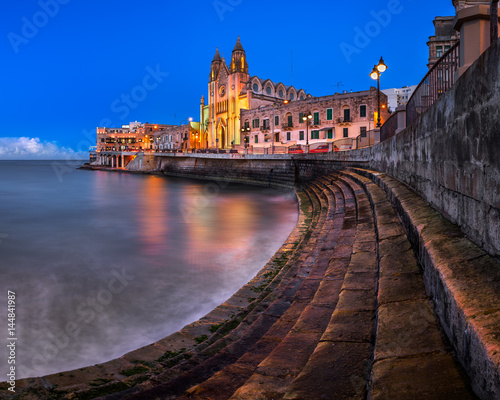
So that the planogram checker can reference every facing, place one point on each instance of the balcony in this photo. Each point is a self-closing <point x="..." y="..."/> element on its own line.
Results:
<point x="344" y="121"/>
<point x="315" y="122"/>
<point x="287" y="125"/>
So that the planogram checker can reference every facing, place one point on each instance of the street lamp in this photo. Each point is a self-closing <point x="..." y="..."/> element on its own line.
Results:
<point x="245" y="132"/>
<point x="189" y="119"/>
<point x="306" y="118"/>
<point x="375" y="75"/>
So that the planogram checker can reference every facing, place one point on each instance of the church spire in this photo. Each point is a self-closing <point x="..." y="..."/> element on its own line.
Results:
<point x="238" y="45"/>
<point x="217" y="56"/>
<point x="239" y="59"/>
<point x="216" y="63"/>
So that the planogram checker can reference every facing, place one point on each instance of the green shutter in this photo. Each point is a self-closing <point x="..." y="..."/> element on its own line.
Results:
<point x="288" y="135"/>
<point x="330" y="133"/>
<point x="290" y="121"/>
<point x="316" y="118"/>
<point x="276" y="120"/>
<point x="362" y="111"/>
<point x="258" y="123"/>
<point x="301" y="135"/>
<point x="329" y="114"/>
<point x="256" y="138"/>
<point x="301" y="115"/>
<point x="253" y="123"/>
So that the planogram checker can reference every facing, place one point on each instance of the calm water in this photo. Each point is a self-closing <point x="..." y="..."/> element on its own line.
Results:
<point x="103" y="263"/>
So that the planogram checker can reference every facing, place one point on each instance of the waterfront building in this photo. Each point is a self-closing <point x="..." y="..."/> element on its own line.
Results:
<point x="444" y="38"/>
<point x="398" y="96"/>
<point x="230" y="90"/>
<point x="92" y="154"/>
<point x="180" y="137"/>
<point x="133" y="137"/>
<point x="338" y="116"/>
<point x="118" y="146"/>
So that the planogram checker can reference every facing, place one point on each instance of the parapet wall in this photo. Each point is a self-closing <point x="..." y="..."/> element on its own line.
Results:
<point x="266" y="172"/>
<point x="451" y="156"/>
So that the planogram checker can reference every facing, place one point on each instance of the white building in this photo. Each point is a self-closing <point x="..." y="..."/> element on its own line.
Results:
<point x="399" y="97"/>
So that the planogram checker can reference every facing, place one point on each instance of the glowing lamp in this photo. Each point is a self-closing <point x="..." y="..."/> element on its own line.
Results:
<point x="381" y="67"/>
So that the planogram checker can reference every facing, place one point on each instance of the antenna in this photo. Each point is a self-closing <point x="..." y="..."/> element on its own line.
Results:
<point x="339" y="85"/>
<point x="291" y="67"/>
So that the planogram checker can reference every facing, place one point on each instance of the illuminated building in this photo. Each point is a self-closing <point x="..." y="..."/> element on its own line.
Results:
<point x="231" y="90"/>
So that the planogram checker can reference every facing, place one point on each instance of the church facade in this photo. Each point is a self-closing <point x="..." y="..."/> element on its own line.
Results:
<point x="230" y="90"/>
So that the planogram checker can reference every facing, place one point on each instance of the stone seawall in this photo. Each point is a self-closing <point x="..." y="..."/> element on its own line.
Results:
<point x="279" y="173"/>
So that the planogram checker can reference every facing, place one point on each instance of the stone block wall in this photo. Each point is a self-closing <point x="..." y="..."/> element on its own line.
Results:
<point x="263" y="172"/>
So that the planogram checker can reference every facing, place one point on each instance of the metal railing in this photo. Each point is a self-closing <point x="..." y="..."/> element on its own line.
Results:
<point x="436" y="82"/>
<point x="365" y="141"/>
<point x="389" y="128"/>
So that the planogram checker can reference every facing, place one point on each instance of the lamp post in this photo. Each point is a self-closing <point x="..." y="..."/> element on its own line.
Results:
<point x="375" y="75"/>
<point x="306" y="118"/>
<point x="245" y="131"/>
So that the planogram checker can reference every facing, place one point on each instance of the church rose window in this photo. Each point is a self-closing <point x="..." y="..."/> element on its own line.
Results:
<point x="292" y="96"/>
<point x="268" y="90"/>
<point x="280" y="93"/>
<point x="255" y="87"/>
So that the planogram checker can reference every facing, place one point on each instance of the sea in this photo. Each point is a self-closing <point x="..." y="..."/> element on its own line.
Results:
<point x="101" y="263"/>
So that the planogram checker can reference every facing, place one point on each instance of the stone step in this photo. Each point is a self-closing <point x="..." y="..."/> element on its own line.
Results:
<point x="275" y="374"/>
<point x="342" y="357"/>
<point x="202" y="369"/>
<point x="225" y="382"/>
<point x="462" y="280"/>
<point x="411" y="357"/>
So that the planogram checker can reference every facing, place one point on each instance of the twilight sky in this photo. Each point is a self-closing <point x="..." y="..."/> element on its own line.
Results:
<point x="72" y="65"/>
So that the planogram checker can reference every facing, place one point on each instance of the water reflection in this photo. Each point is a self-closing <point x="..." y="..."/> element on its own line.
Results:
<point x="151" y="214"/>
<point x="186" y="251"/>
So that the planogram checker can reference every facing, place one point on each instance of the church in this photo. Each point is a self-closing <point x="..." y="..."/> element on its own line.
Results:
<point x="230" y="90"/>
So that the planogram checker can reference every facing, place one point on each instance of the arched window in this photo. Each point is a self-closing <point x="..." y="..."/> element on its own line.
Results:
<point x="255" y="87"/>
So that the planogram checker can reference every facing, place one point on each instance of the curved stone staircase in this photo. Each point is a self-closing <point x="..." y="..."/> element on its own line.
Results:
<point x="342" y="311"/>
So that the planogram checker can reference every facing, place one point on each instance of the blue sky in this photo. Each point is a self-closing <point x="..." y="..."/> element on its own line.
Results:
<point x="72" y="65"/>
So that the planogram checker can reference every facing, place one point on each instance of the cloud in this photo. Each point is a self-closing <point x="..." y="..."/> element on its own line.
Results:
<point x="25" y="148"/>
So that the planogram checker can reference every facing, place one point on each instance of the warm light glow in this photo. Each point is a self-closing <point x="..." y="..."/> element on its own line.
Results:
<point x="381" y="67"/>
<point x="374" y="74"/>
<point x="309" y="116"/>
